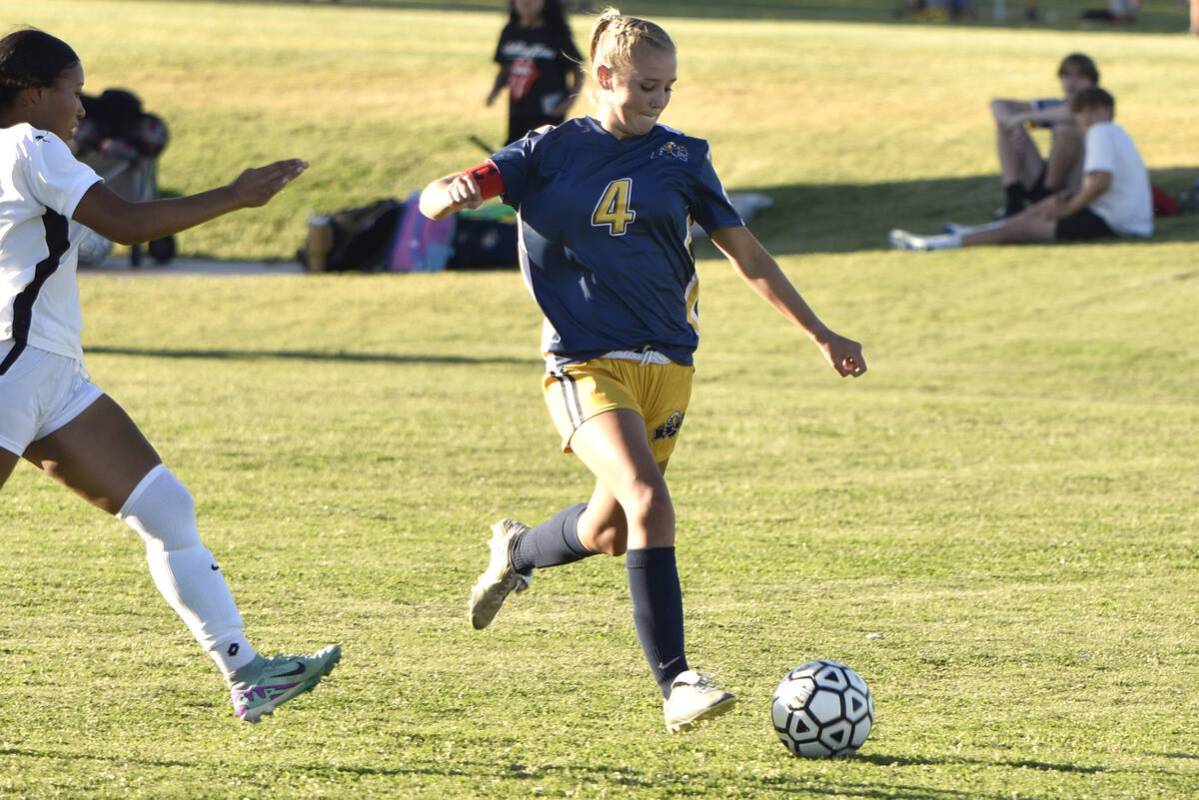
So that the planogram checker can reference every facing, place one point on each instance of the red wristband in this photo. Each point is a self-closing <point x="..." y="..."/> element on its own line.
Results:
<point x="487" y="176"/>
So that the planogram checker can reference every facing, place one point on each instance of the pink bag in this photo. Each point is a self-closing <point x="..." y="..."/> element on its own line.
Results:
<point x="421" y="244"/>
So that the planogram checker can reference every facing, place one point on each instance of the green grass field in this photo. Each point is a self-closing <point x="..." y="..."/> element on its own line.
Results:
<point x="1009" y="497"/>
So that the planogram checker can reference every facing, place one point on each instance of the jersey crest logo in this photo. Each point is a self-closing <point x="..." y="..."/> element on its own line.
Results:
<point x="670" y="428"/>
<point x="671" y="149"/>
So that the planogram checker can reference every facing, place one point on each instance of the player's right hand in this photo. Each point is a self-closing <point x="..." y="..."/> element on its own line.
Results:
<point x="464" y="192"/>
<point x="845" y="355"/>
<point x="255" y="187"/>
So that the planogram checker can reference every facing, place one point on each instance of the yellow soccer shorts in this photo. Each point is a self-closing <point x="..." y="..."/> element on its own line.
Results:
<point x="659" y="392"/>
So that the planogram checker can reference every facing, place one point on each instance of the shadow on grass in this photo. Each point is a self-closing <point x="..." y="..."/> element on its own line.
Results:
<point x="1022" y="763"/>
<point x="788" y="785"/>
<point x="320" y="768"/>
<point x="147" y="762"/>
<point x="1187" y="756"/>
<point x="310" y="355"/>
<point x="803" y="787"/>
<point x="846" y="218"/>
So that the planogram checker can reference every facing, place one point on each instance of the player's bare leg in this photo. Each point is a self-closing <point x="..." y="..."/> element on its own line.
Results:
<point x="102" y="456"/>
<point x="615" y="447"/>
<point x="603" y="527"/>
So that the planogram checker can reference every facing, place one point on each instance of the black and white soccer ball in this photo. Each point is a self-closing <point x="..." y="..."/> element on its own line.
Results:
<point x="822" y="709"/>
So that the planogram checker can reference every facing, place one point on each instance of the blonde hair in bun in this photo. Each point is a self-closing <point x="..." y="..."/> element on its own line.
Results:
<point x="615" y="35"/>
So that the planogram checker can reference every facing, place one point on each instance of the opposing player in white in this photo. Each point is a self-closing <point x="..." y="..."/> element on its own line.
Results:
<point x="50" y="412"/>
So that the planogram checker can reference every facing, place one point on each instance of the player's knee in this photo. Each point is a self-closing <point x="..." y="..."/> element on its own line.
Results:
<point x="648" y="503"/>
<point x="162" y="511"/>
<point x="612" y="539"/>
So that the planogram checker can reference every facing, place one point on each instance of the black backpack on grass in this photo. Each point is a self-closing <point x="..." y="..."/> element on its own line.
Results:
<point x="362" y="237"/>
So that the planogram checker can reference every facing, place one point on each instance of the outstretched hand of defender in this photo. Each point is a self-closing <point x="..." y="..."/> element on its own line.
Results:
<point x="845" y="355"/>
<point x="463" y="192"/>
<point x="255" y="187"/>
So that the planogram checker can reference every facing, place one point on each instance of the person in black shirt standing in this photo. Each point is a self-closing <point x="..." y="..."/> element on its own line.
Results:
<point x="539" y="64"/>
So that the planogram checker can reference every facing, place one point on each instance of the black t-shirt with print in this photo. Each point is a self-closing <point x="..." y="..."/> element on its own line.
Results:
<point x="538" y="61"/>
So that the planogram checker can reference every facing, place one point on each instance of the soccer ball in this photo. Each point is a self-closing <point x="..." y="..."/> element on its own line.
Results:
<point x="822" y="709"/>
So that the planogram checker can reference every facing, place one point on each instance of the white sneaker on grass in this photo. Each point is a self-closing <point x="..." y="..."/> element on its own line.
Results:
<point x="902" y="240"/>
<point x="694" y="698"/>
<point x="264" y="684"/>
<point x="499" y="579"/>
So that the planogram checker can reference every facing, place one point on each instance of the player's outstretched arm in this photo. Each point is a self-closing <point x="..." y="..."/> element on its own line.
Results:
<point x="450" y="194"/>
<point x="124" y="222"/>
<point x="461" y="190"/>
<point x="761" y="271"/>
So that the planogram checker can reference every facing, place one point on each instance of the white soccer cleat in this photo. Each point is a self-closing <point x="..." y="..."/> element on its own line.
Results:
<point x="500" y="579"/>
<point x="694" y="698"/>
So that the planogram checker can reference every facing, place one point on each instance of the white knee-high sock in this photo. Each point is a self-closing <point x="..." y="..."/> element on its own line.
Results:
<point x="162" y="511"/>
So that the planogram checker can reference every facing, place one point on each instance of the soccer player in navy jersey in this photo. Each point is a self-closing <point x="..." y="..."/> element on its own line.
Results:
<point x="605" y="206"/>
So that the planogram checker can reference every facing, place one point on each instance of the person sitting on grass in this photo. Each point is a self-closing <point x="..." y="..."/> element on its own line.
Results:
<point x="1114" y="200"/>
<point x="1029" y="177"/>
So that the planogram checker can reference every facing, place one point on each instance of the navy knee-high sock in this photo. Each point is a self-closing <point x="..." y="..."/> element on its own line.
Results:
<point x="552" y="543"/>
<point x="658" y="611"/>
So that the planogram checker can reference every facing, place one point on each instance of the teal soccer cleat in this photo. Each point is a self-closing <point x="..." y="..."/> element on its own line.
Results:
<point x="265" y="684"/>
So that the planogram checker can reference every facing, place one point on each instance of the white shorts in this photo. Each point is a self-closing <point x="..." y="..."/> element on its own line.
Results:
<point x="40" y="393"/>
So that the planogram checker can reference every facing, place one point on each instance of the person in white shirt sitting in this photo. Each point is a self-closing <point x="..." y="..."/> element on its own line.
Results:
<point x="1115" y="199"/>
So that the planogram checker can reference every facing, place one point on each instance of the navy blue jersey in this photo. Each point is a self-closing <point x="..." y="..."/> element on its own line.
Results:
<point x="605" y="233"/>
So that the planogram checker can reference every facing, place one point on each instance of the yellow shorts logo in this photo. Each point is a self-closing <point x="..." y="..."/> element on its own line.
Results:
<point x="670" y="428"/>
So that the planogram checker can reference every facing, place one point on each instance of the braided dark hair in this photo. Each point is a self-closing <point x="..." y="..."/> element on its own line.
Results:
<point x="30" y="59"/>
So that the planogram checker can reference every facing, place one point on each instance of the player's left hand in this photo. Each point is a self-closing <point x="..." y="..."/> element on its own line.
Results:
<point x="845" y="355"/>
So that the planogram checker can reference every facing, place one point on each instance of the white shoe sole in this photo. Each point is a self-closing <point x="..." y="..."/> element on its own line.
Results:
<point x="479" y="612"/>
<point x="711" y="712"/>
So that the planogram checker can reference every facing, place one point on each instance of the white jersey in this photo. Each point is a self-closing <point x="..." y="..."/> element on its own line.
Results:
<point x="1127" y="205"/>
<point x="41" y="183"/>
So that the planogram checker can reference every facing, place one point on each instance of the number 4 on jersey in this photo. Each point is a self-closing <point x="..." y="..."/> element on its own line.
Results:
<point x="613" y="207"/>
